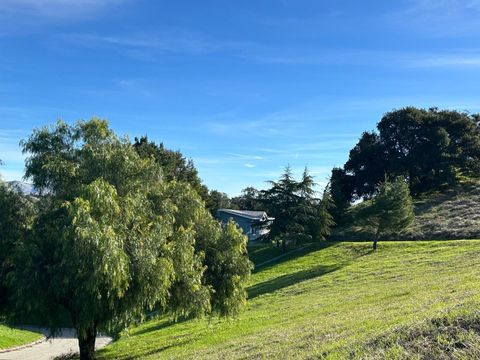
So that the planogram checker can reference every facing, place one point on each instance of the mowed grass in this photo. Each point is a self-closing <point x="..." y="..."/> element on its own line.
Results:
<point x="10" y="337"/>
<point x="333" y="302"/>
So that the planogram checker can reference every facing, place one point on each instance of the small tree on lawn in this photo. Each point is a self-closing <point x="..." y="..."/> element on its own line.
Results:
<point x="390" y="210"/>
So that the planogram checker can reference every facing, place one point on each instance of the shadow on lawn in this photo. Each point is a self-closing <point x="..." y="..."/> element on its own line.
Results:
<point x="289" y="279"/>
<point x="294" y="253"/>
<point x="269" y="286"/>
<point x="286" y="280"/>
<point x="149" y="352"/>
<point x="162" y="325"/>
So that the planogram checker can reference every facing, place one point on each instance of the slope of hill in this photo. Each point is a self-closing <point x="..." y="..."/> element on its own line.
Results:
<point x="10" y="337"/>
<point x="336" y="301"/>
<point x="452" y="214"/>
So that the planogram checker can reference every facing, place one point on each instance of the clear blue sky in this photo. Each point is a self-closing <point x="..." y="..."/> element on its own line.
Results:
<point x="242" y="87"/>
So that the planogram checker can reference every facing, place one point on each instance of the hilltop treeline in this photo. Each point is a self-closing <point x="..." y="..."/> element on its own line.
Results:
<point x="429" y="149"/>
<point x="432" y="149"/>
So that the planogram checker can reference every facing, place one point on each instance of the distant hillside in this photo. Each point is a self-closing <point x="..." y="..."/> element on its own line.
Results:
<point x="452" y="214"/>
<point x="22" y="187"/>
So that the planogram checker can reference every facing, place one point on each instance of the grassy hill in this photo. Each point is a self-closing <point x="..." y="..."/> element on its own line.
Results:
<point x="451" y="214"/>
<point x="337" y="301"/>
<point x="14" y="337"/>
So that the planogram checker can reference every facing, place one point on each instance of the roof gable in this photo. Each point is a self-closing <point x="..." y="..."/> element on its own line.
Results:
<point x="249" y="214"/>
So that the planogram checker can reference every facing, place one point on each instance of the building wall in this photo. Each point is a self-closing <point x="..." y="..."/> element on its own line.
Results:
<point x="243" y="223"/>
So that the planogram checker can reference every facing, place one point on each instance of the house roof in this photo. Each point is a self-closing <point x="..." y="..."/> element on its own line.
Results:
<point x="249" y="214"/>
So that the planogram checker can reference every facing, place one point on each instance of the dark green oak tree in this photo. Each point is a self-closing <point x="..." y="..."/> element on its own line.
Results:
<point x="174" y="164"/>
<point x="430" y="148"/>
<point x="249" y="199"/>
<point x="177" y="167"/>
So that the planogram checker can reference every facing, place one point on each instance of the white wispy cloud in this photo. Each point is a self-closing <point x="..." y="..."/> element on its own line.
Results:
<point x="54" y="8"/>
<point x="229" y="158"/>
<point x="260" y="128"/>
<point x="319" y="151"/>
<point x="249" y="165"/>
<point x="165" y="40"/>
<point x="388" y="59"/>
<point x="292" y="122"/>
<point x="438" y="17"/>
<point x="148" y="45"/>
<point x="432" y="8"/>
<point x="245" y="156"/>
<point x="459" y="60"/>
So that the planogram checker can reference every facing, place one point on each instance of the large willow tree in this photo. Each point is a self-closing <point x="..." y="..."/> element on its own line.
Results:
<point x="113" y="240"/>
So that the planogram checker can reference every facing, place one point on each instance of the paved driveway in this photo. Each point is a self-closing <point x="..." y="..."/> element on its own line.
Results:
<point x="64" y="343"/>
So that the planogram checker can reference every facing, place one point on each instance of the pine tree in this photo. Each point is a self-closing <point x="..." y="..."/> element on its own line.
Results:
<point x="324" y="218"/>
<point x="299" y="216"/>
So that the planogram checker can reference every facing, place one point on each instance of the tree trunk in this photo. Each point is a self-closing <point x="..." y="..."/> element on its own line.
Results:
<point x="86" y="344"/>
<point x="375" y="240"/>
<point x="284" y="245"/>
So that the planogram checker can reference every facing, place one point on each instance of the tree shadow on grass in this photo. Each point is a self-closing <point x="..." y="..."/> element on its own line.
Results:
<point x="159" y="326"/>
<point x="149" y="352"/>
<point x="284" y="281"/>
<point x="294" y="253"/>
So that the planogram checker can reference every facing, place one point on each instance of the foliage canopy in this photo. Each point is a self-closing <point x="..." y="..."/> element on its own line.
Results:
<point x="299" y="215"/>
<point x="428" y="147"/>
<point x="113" y="239"/>
<point x="391" y="209"/>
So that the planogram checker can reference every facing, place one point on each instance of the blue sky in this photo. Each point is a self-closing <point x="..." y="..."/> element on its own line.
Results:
<point x="242" y="87"/>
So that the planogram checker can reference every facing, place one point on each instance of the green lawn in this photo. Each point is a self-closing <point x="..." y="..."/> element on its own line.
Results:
<point x="262" y="253"/>
<point x="13" y="337"/>
<point x="337" y="301"/>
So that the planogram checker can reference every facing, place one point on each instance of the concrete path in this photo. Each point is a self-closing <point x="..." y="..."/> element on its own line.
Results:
<point x="64" y="343"/>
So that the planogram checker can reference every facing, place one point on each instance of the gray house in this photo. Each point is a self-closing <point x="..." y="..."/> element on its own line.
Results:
<point x="253" y="223"/>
